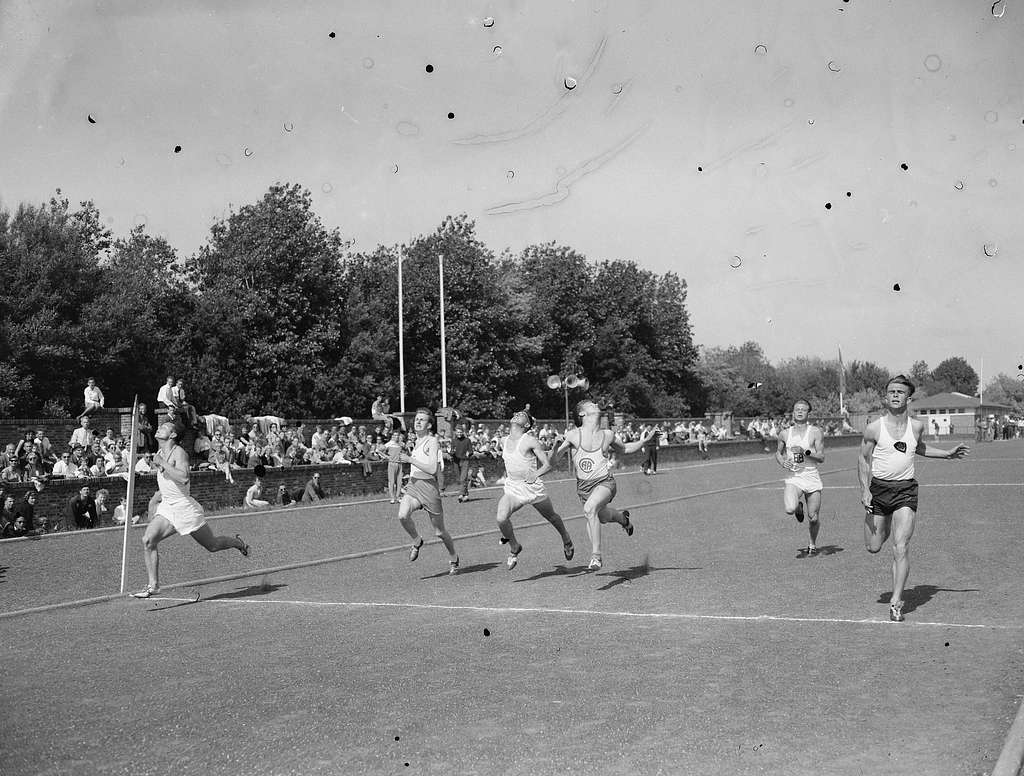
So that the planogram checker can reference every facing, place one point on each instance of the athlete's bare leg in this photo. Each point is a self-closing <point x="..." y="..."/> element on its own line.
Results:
<point x="597" y="511"/>
<point x="406" y="507"/>
<point x="205" y="536"/>
<point x="902" y="530"/>
<point x="547" y="511"/>
<point x="813" y="501"/>
<point x="442" y="533"/>
<point x="158" y="529"/>
<point x="791" y="498"/>
<point x="504" y="518"/>
<point x="876" y="531"/>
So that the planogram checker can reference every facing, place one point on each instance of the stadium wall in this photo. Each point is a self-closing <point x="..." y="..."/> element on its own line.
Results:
<point x="214" y="492"/>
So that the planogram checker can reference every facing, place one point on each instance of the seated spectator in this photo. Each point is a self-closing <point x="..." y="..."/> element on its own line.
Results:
<point x="12" y="472"/>
<point x="165" y="396"/>
<point x="33" y="468"/>
<point x="19" y="529"/>
<point x="46" y="452"/>
<point x="115" y="461"/>
<point x="313" y="492"/>
<point x="264" y="422"/>
<point x="25" y="445"/>
<point x="144" y="464"/>
<point x="121" y="512"/>
<point x="284" y="498"/>
<point x="254" y="495"/>
<point x="82" y="435"/>
<point x="319" y="439"/>
<point x="94" y="453"/>
<point x="107" y="440"/>
<point x="83" y="472"/>
<point x="63" y="467"/>
<point x="201" y="447"/>
<point x="93" y="398"/>
<point x="82" y="509"/>
<point x="7" y="455"/>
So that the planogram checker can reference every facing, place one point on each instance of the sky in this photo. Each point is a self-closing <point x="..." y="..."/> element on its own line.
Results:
<point x="792" y="160"/>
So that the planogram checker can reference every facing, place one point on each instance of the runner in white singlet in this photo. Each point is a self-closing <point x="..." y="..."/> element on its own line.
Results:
<point x="422" y="492"/>
<point x="589" y="446"/>
<point x="801" y="448"/>
<point x="888" y="488"/>
<point x="521" y="453"/>
<point x="177" y="511"/>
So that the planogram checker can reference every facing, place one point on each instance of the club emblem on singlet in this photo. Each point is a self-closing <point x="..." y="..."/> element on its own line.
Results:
<point x="586" y="465"/>
<point x="901" y="446"/>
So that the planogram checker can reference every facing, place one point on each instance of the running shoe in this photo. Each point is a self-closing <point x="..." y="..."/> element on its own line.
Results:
<point x="896" y="611"/>
<point x="595" y="563"/>
<point x="414" y="553"/>
<point x="627" y="526"/>
<point x="811" y="551"/>
<point x="453" y="567"/>
<point x="147" y="593"/>
<point x="799" y="513"/>
<point x="244" y="549"/>
<point x="569" y="550"/>
<point x="513" y="558"/>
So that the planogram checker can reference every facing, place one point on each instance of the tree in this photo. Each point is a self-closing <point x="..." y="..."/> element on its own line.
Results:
<point x="50" y="256"/>
<point x="267" y="324"/>
<point x="865" y="374"/>
<point x="864" y="400"/>
<point x="741" y="380"/>
<point x="955" y="374"/>
<point x="1006" y="390"/>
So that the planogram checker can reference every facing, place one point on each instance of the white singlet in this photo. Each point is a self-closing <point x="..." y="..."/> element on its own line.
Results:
<point x="519" y="466"/>
<point x="590" y="464"/>
<point x="178" y="507"/>
<point x="889" y="462"/>
<point x="806" y="477"/>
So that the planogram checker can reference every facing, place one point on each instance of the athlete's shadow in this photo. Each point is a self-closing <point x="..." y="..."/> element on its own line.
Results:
<point x="465" y="570"/>
<point x="3" y="573"/>
<point x="919" y="595"/>
<point x="247" y="592"/>
<point x="828" y="549"/>
<point x="640" y="570"/>
<point x="557" y="571"/>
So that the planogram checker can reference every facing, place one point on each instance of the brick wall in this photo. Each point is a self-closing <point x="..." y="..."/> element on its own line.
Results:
<point x="59" y="430"/>
<point x="213" y="491"/>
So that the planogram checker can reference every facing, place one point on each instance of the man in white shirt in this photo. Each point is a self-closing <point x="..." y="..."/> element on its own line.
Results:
<point x="63" y="467"/>
<point x="93" y="398"/>
<point x="165" y="396"/>
<point x="83" y="435"/>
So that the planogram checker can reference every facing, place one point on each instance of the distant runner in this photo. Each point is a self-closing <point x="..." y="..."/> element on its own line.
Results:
<point x="801" y="449"/>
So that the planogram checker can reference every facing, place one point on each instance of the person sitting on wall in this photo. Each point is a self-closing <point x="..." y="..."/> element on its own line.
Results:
<point x="313" y="492"/>
<point x="93" y="398"/>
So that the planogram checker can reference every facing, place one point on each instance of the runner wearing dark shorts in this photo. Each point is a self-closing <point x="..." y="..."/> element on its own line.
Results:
<point x="888" y="487"/>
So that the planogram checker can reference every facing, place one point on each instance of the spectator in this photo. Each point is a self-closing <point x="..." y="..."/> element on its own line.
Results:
<point x="188" y="412"/>
<point x="107" y="440"/>
<point x="33" y="468"/>
<point x="8" y="455"/>
<point x="19" y="529"/>
<point x="313" y="492"/>
<point x="284" y="498"/>
<point x="46" y="451"/>
<point x="121" y="512"/>
<point x="264" y="422"/>
<point x="24" y="446"/>
<point x="102" y="510"/>
<point x="146" y="441"/>
<point x="12" y="472"/>
<point x="63" y="467"/>
<point x="254" y="496"/>
<point x="165" y="396"/>
<point x="7" y="517"/>
<point x="93" y="398"/>
<point x="26" y="509"/>
<point x="82" y="509"/>
<point x="82" y="435"/>
<point x="144" y="464"/>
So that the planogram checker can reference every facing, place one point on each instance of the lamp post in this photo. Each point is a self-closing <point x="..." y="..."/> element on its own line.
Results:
<point x="565" y="382"/>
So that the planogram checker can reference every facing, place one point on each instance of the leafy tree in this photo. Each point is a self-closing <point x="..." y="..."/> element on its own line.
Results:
<point x="51" y="272"/>
<point x="1006" y="390"/>
<point x="864" y="400"/>
<point x="955" y="374"/>
<point x="740" y="379"/>
<point x="865" y="374"/>
<point x="266" y="323"/>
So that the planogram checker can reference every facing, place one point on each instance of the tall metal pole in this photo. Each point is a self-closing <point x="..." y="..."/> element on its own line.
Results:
<point x="401" y="342"/>
<point x="444" y="374"/>
<point x="566" y="387"/>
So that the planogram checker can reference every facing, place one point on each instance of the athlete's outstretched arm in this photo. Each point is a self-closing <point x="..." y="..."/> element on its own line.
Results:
<point x="630" y="447"/>
<point x="867" y="449"/>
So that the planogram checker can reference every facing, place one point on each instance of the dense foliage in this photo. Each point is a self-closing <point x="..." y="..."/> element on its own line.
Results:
<point x="277" y="314"/>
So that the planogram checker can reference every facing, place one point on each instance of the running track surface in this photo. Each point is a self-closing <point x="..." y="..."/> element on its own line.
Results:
<point x="704" y="645"/>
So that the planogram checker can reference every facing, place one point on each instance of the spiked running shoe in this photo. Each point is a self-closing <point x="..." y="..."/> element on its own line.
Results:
<point x="799" y="513"/>
<point x="627" y="526"/>
<point x="453" y="567"/>
<point x="414" y="553"/>
<point x="147" y="593"/>
<point x="569" y="550"/>
<point x="595" y="563"/>
<point x="513" y="558"/>
<point x="896" y="611"/>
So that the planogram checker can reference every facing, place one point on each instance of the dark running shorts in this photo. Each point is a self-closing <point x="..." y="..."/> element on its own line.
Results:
<point x="889" y="495"/>
<point x="585" y="487"/>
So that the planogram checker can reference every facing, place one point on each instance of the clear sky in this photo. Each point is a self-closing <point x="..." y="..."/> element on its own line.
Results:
<point x="699" y="137"/>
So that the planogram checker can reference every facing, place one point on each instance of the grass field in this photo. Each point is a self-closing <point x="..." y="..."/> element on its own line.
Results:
<point x="704" y="645"/>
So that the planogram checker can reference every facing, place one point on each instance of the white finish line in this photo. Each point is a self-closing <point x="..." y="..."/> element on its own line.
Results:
<point x="594" y="612"/>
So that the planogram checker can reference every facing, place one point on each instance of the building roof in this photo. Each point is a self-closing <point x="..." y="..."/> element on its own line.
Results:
<point x="954" y="401"/>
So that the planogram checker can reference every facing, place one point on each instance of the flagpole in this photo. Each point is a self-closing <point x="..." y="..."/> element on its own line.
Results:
<point x="444" y="375"/>
<point x="130" y="493"/>
<point x="842" y="382"/>
<point x="401" y="342"/>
